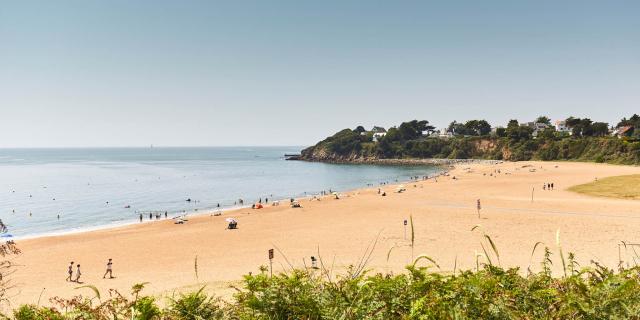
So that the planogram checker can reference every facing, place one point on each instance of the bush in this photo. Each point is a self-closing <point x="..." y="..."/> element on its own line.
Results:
<point x="32" y="312"/>
<point x="489" y="292"/>
<point x="146" y="309"/>
<point x="195" y="306"/>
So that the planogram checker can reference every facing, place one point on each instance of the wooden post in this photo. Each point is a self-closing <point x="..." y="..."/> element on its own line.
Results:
<point x="405" y="229"/>
<point x="271" y="262"/>
<point x="532" y="189"/>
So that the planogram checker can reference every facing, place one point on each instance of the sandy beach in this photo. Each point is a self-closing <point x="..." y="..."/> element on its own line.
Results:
<point x="444" y="212"/>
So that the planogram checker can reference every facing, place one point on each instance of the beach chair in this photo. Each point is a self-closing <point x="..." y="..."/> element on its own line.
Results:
<point x="233" y="225"/>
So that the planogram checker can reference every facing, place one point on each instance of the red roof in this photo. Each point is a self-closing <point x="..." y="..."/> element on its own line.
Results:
<point x="623" y="130"/>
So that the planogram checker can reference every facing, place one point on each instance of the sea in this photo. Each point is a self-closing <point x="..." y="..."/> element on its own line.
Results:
<point x="57" y="191"/>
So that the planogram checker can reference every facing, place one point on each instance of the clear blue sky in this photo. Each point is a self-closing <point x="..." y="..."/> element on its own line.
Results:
<point x="134" y="73"/>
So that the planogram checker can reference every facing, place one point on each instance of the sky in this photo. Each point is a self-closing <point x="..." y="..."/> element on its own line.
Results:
<point x="211" y="73"/>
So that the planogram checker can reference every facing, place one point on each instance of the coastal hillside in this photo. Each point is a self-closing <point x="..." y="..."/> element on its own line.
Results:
<point x="572" y="139"/>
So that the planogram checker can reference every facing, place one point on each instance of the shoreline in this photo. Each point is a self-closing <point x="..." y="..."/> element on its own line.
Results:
<point x="199" y="213"/>
<point x="443" y="213"/>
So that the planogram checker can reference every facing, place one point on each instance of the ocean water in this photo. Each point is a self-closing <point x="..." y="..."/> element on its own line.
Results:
<point x="96" y="188"/>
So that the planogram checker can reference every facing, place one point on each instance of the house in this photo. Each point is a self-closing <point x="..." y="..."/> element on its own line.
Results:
<point x="494" y="130"/>
<point x="445" y="134"/>
<point x="623" y="131"/>
<point x="378" y="132"/>
<point x="536" y="126"/>
<point x="561" y="126"/>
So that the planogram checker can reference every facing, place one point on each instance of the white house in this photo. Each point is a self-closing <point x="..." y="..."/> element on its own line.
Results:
<point x="445" y="134"/>
<point x="378" y="132"/>
<point x="536" y="126"/>
<point x="561" y="126"/>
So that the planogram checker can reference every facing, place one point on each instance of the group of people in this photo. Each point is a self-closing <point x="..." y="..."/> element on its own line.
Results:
<point x="547" y="186"/>
<point x="157" y="214"/>
<point x="71" y="278"/>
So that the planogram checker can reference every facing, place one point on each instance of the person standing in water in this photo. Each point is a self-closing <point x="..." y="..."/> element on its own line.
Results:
<point x="70" y="272"/>
<point x="109" y="270"/>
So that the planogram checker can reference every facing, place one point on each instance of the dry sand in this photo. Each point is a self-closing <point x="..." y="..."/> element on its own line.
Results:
<point x="444" y="212"/>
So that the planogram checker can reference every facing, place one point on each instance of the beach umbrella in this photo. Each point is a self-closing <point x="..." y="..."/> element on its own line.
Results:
<point x="230" y="220"/>
<point x="334" y="193"/>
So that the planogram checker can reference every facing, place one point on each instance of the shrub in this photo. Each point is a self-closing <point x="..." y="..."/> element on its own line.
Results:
<point x="146" y="309"/>
<point x="195" y="306"/>
<point x="32" y="312"/>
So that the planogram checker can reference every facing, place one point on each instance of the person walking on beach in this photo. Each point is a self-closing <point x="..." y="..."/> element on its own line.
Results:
<point x="109" y="269"/>
<point x="70" y="272"/>
<point x="78" y="274"/>
<point x="141" y="217"/>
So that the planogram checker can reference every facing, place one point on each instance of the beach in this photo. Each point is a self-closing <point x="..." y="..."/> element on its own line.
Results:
<point x="515" y="212"/>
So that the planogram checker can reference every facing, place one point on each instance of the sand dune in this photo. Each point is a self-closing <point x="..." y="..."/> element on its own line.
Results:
<point x="443" y="212"/>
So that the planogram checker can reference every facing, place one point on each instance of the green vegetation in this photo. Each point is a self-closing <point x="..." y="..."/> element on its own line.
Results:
<point x="584" y="140"/>
<point x="623" y="187"/>
<point x="422" y="292"/>
<point x="490" y="292"/>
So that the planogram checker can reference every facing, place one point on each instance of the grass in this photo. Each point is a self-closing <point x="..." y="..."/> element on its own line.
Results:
<point x="620" y="187"/>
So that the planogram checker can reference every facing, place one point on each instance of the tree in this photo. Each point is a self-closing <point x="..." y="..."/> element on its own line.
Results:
<point x="580" y="127"/>
<point x="483" y="127"/>
<point x="544" y="119"/>
<point x="512" y="124"/>
<point x="633" y="121"/>
<point x="587" y="130"/>
<point x="517" y="132"/>
<point x="430" y="129"/>
<point x="600" y="129"/>
<point x="392" y="135"/>
<point x="413" y="129"/>
<point x="547" y="134"/>
<point x="572" y="122"/>
<point x="359" y="129"/>
<point x="457" y="128"/>
<point x="477" y="128"/>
